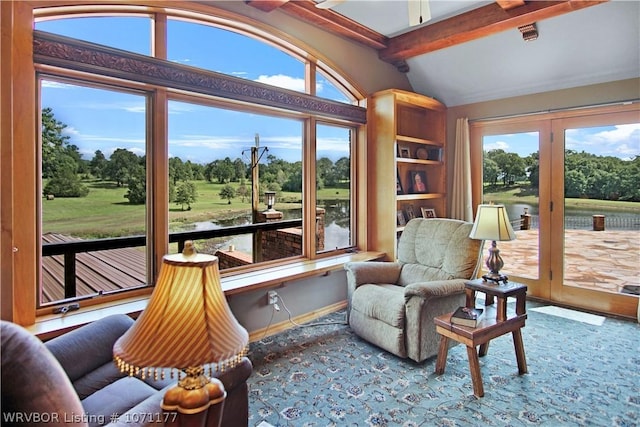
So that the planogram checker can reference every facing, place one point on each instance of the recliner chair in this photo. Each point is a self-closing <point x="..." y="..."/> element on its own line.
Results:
<point x="393" y="304"/>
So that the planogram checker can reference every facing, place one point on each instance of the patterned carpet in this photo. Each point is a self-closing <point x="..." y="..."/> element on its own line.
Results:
<point x="580" y="374"/>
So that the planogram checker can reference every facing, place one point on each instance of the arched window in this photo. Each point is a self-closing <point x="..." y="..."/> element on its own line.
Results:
<point x="177" y="131"/>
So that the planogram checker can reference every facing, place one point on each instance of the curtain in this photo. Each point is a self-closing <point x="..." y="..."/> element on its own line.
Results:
<point x="461" y="204"/>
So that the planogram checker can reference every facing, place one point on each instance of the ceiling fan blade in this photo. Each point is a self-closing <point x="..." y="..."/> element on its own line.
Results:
<point x="328" y="4"/>
<point x="419" y="12"/>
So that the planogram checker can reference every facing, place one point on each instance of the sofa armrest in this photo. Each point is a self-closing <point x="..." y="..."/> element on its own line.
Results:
<point x="87" y="348"/>
<point x="435" y="289"/>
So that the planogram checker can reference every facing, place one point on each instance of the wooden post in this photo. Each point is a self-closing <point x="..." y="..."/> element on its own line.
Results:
<point x="255" y="198"/>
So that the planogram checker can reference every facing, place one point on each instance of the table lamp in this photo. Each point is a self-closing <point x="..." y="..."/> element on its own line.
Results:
<point x="186" y="325"/>
<point x="492" y="223"/>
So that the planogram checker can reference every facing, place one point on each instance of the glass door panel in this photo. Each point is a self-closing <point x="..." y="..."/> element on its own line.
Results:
<point x="599" y="242"/>
<point x="511" y="178"/>
<point x="602" y="210"/>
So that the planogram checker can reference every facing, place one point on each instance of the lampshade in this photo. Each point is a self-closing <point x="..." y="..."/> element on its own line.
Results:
<point x="187" y="322"/>
<point x="492" y="223"/>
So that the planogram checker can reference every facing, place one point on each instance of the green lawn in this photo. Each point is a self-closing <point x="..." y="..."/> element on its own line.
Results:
<point x="522" y="194"/>
<point x="105" y="212"/>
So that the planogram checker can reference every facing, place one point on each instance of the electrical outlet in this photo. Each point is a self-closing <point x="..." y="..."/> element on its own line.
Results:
<point x="272" y="297"/>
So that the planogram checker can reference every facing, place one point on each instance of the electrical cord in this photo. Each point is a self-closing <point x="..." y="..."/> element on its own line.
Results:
<point x="276" y="307"/>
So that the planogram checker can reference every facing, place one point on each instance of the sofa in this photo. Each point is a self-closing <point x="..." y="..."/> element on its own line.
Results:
<point x="73" y="380"/>
<point x="393" y="304"/>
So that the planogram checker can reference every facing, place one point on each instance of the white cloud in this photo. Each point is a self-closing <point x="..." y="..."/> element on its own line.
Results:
<point x="620" y="141"/>
<point x="70" y="131"/>
<point x="285" y="82"/>
<point x="497" y="145"/>
<point x="57" y="85"/>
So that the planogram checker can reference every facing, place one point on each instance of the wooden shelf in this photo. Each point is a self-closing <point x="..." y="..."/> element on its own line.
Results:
<point x="410" y="139"/>
<point x="425" y="196"/>
<point x="406" y="139"/>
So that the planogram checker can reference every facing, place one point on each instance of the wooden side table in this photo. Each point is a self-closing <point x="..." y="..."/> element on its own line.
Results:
<point x="495" y="322"/>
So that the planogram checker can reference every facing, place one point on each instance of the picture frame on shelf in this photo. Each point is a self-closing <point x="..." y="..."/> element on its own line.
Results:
<point x="401" y="220"/>
<point x="409" y="213"/>
<point x="418" y="182"/>
<point x="404" y="152"/>
<point x="428" y="213"/>
<point x="398" y="185"/>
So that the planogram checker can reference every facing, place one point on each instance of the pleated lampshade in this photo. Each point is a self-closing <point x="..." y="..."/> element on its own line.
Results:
<point x="187" y="322"/>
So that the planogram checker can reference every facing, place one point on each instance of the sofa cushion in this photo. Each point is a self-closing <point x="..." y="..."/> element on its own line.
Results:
<point x="116" y="398"/>
<point x="33" y="382"/>
<point x="97" y="379"/>
<point x="366" y="300"/>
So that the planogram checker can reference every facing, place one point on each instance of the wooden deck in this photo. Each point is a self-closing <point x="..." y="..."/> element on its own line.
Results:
<point x="99" y="271"/>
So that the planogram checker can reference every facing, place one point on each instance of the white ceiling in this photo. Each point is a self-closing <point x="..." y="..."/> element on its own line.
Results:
<point x="597" y="44"/>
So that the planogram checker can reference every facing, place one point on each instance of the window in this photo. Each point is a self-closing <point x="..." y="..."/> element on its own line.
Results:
<point x="217" y="156"/>
<point x="177" y="153"/>
<point x="211" y="48"/>
<point x="333" y="171"/>
<point x="136" y="38"/>
<point x="93" y="187"/>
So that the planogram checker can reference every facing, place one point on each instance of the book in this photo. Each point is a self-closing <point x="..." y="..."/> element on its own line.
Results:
<point x="466" y="316"/>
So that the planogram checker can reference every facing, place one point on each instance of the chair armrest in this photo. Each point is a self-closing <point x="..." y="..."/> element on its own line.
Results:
<point x="361" y="272"/>
<point x="435" y="289"/>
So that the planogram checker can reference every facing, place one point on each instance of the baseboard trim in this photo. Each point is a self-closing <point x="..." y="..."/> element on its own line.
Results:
<point x="284" y="325"/>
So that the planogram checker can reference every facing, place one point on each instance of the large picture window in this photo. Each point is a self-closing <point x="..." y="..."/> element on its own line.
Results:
<point x="208" y="141"/>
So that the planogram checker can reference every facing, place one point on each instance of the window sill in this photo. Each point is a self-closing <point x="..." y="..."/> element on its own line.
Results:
<point x="49" y="326"/>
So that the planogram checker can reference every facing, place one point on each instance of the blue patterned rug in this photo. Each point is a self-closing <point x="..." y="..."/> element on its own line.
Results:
<point x="580" y="374"/>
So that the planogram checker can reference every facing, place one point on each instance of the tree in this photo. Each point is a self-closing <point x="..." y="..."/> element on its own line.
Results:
<point x="490" y="171"/>
<point x="242" y="190"/>
<point x="66" y="184"/>
<point x="227" y="192"/>
<point x="137" y="186"/>
<point x="122" y="164"/>
<point x="60" y="160"/>
<point x="186" y="194"/>
<point x="98" y="164"/>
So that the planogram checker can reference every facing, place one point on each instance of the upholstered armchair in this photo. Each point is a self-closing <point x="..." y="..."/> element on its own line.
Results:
<point x="393" y="304"/>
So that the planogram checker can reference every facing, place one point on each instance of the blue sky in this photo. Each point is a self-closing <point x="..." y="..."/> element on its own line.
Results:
<point x="621" y="141"/>
<point x="104" y="120"/>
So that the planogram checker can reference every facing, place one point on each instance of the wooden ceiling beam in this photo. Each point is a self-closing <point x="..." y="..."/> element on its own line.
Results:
<point x="267" y="5"/>
<point x="480" y="22"/>
<point x="333" y="22"/>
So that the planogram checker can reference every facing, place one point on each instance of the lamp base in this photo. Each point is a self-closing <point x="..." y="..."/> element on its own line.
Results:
<point x="495" y="277"/>
<point x="196" y="401"/>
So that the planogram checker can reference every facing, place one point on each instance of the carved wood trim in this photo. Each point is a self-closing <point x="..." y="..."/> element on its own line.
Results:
<point x="59" y="51"/>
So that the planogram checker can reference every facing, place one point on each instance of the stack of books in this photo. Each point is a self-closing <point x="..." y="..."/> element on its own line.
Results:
<point x="466" y="316"/>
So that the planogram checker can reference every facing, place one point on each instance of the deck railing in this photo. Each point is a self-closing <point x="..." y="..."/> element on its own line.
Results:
<point x="72" y="248"/>
<point x="582" y="223"/>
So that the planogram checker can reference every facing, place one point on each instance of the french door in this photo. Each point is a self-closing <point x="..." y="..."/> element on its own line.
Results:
<point x="549" y="170"/>
<point x="595" y="221"/>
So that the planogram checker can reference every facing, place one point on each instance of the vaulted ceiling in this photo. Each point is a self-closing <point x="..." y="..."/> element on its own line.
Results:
<point x="473" y="51"/>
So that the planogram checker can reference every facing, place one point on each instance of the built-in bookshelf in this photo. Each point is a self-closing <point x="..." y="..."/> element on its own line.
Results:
<point x="406" y="143"/>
